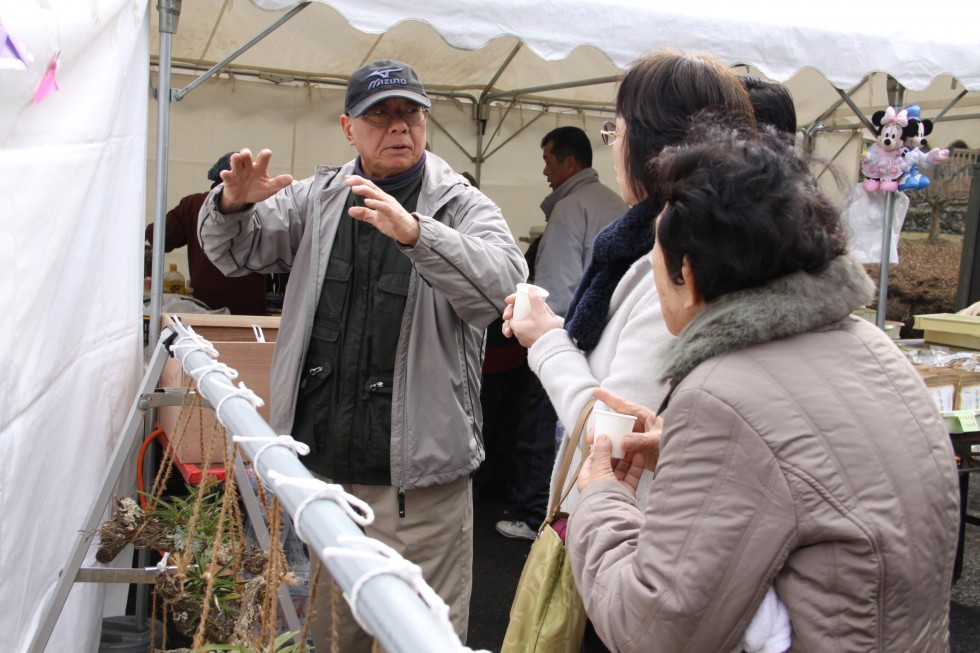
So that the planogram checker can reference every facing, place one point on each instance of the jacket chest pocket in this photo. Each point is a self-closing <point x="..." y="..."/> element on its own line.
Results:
<point x="333" y="296"/>
<point x="390" y="296"/>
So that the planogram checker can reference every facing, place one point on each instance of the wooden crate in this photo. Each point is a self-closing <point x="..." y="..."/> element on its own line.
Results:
<point x="235" y="340"/>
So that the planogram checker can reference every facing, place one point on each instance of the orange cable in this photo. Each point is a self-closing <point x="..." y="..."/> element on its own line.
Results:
<point x="139" y="465"/>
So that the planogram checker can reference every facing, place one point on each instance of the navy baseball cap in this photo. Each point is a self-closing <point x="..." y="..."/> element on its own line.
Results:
<point x="380" y="80"/>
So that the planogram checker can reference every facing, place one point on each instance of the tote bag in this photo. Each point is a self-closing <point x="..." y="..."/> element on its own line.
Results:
<point x="547" y="615"/>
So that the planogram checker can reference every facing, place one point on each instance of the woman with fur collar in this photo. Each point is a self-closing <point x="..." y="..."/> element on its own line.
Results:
<point x="799" y="448"/>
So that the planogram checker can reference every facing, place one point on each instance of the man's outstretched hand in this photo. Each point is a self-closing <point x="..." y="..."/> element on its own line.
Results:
<point x="248" y="181"/>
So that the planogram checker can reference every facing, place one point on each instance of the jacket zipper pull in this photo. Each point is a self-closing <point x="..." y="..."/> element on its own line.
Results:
<point x="315" y="370"/>
<point x="401" y="503"/>
<point x="374" y="387"/>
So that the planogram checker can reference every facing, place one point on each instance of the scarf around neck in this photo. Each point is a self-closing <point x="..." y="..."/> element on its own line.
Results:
<point x="786" y="306"/>
<point x="615" y="249"/>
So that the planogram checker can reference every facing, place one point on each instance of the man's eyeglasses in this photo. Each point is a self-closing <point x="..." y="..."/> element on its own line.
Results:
<point x="383" y="117"/>
<point x="609" y="132"/>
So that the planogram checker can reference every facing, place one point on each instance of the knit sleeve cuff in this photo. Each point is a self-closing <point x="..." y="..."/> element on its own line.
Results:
<point x="552" y="343"/>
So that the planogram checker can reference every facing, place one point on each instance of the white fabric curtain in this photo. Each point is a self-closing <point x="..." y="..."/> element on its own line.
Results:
<point x="71" y="207"/>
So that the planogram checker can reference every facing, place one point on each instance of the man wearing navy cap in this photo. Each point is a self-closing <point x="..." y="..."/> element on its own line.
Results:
<point x="397" y="267"/>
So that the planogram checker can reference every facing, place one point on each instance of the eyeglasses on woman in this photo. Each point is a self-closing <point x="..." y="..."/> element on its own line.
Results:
<point x="609" y="132"/>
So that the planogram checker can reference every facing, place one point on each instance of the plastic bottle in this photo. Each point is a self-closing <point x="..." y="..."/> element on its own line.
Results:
<point x="173" y="281"/>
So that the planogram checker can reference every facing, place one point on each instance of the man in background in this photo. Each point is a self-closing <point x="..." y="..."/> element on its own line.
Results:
<point x="577" y="209"/>
<point x="243" y="295"/>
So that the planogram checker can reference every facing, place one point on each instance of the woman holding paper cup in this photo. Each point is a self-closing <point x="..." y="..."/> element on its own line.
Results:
<point x="799" y="448"/>
<point x="614" y="333"/>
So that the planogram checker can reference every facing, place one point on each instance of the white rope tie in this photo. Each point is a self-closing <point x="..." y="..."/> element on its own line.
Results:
<point x="242" y="392"/>
<point x="287" y="441"/>
<point x="396" y="565"/>
<point x="213" y="368"/>
<point x="323" y="490"/>
<point x="192" y="342"/>
<point x="162" y="565"/>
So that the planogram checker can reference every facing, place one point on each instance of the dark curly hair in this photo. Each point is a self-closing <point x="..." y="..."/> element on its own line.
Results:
<point x="743" y="207"/>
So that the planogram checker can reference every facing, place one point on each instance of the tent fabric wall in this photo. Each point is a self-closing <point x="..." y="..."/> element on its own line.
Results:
<point x="71" y="192"/>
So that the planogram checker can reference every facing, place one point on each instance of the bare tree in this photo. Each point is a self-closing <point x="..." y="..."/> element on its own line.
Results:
<point x="950" y="187"/>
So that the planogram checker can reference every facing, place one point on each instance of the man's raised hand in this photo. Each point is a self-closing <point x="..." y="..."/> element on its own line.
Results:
<point x="248" y="181"/>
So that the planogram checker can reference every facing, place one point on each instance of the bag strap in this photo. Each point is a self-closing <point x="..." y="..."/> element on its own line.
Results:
<point x="574" y="440"/>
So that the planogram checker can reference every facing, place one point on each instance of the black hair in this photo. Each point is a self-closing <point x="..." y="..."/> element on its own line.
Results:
<point x="656" y="99"/>
<point x="772" y="103"/>
<point x="743" y="208"/>
<point x="569" y="141"/>
<point x="223" y="163"/>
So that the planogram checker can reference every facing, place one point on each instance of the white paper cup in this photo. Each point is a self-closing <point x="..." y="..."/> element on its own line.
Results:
<point x="522" y="304"/>
<point x="616" y="426"/>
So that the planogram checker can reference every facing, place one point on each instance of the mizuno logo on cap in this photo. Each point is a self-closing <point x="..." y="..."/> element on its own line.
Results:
<point x="383" y="74"/>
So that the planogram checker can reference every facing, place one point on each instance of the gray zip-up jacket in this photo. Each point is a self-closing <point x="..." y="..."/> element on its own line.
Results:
<point x="464" y="265"/>
<point x="575" y="212"/>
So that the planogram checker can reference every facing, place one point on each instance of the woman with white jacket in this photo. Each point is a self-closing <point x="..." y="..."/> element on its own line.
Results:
<point x="614" y="335"/>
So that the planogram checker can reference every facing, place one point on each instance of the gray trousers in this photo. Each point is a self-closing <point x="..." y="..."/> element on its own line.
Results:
<point x="436" y="534"/>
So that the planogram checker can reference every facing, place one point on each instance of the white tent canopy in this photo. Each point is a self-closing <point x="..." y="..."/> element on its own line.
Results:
<point x="904" y="39"/>
<point x="73" y="190"/>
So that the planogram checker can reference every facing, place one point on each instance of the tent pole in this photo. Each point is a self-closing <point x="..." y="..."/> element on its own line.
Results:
<point x="481" y="125"/>
<point x="886" y="233"/>
<point x="886" y="244"/>
<point x="169" y="11"/>
<point x="504" y="95"/>
<point x="169" y="15"/>
<point x="520" y="130"/>
<point x="483" y="109"/>
<point x="857" y="110"/>
<point x="817" y="124"/>
<point x="953" y="103"/>
<point x="216" y="68"/>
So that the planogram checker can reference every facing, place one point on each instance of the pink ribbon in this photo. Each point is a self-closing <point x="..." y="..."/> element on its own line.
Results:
<point x="901" y="118"/>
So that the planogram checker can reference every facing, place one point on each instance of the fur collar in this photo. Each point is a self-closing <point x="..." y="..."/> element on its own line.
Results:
<point x="787" y="306"/>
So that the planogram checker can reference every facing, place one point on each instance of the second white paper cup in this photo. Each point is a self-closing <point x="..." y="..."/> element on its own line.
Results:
<point x="522" y="303"/>
<point x="616" y="426"/>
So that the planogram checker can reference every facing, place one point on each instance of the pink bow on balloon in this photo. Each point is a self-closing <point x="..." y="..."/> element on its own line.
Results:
<point x="901" y="118"/>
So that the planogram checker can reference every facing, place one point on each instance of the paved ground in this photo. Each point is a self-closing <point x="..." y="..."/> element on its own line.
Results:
<point x="497" y="565"/>
<point x="498" y="562"/>
<point x="964" y="611"/>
